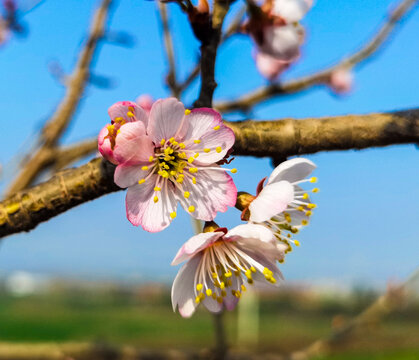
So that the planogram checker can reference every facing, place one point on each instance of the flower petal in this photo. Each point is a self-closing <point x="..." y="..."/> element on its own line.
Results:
<point x="195" y="244"/>
<point x="132" y="146"/>
<point x="206" y="126"/>
<point x="104" y="145"/>
<point x="183" y="292"/>
<point x="282" y="42"/>
<point x="128" y="175"/>
<point x="167" y="120"/>
<point x="291" y="10"/>
<point x="252" y="231"/>
<point x="272" y="200"/>
<point x="213" y="192"/>
<point x="269" y="66"/>
<point x="123" y="109"/>
<point x="292" y="170"/>
<point x="142" y="210"/>
<point x="231" y="301"/>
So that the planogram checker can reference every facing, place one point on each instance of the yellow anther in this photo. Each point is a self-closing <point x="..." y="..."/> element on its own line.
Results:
<point x="305" y="196"/>
<point x="315" y="190"/>
<point x="196" y="155"/>
<point x="243" y="288"/>
<point x="218" y="149"/>
<point x="182" y="155"/>
<point x="197" y="141"/>
<point x="214" y="296"/>
<point x="151" y="158"/>
<point x="217" y="127"/>
<point x="313" y="180"/>
<point x="237" y="272"/>
<point x="300" y="208"/>
<point x="311" y="206"/>
<point x="191" y="208"/>
<point x="155" y="199"/>
<point x="172" y="139"/>
<point x="162" y="142"/>
<point x="214" y="275"/>
<point x="234" y="170"/>
<point x="197" y="299"/>
<point x="287" y="217"/>
<point x="252" y="269"/>
<point x="131" y="108"/>
<point x="220" y="300"/>
<point x="248" y="273"/>
<point x="294" y="230"/>
<point x="118" y="132"/>
<point x="289" y="236"/>
<point x="186" y="194"/>
<point x="190" y="160"/>
<point x="229" y="282"/>
<point x="179" y="180"/>
<point x="223" y="293"/>
<point x="250" y="281"/>
<point x="309" y="213"/>
<point x="297" y="243"/>
<point x="175" y="143"/>
<point x="206" y="150"/>
<point x="157" y="188"/>
<point x="187" y="111"/>
<point x="182" y="145"/>
<point x="199" y="287"/>
<point x="228" y="274"/>
<point x="173" y="214"/>
<point x="130" y="114"/>
<point x="118" y="119"/>
<point x="208" y="292"/>
<point x="222" y="285"/>
<point x="194" y="180"/>
<point x="237" y="294"/>
<point x="173" y="173"/>
<point x="193" y="170"/>
<point x="144" y="168"/>
<point x="141" y="181"/>
<point x="304" y="222"/>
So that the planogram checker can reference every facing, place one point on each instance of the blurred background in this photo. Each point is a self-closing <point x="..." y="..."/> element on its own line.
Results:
<point x="89" y="275"/>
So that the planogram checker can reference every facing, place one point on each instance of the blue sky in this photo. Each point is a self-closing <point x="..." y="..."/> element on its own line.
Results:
<point x="364" y="229"/>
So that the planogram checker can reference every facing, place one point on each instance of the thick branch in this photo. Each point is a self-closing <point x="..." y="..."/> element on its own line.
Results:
<point x="56" y="125"/>
<point x="322" y="77"/>
<point x="28" y="208"/>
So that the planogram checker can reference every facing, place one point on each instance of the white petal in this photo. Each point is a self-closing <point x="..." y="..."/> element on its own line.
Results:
<point x="167" y="120"/>
<point x="272" y="200"/>
<point x="292" y="170"/>
<point x="291" y="10"/>
<point x="252" y="231"/>
<point x="194" y="245"/>
<point x="183" y="292"/>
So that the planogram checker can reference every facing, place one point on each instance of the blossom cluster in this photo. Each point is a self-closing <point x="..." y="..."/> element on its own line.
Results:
<point x="165" y="154"/>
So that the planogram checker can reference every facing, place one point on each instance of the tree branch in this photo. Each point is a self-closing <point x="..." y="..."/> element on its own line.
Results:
<point x="56" y="125"/>
<point x="26" y="209"/>
<point x="322" y="77"/>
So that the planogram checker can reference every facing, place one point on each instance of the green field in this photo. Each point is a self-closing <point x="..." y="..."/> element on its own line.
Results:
<point x="286" y="323"/>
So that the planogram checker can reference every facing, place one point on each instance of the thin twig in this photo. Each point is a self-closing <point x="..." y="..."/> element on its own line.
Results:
<point x="26" y="209"/>
<point x="57" y="124"/>
<point x="264" y="93"/>
<point x="168" y="44"/>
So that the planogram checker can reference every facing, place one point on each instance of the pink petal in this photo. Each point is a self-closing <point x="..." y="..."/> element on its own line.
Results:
<point x="121" y="109"/>
<point x="341" y="81"/>
<point x="194" y="245"/>
<point x="132" y="146"/>
<point x="269" y="66"/>
<point x="291" y="10"/>
<point x="128" y="175"/>
<point x="183" y="292"/>
<point x="282" y="42"/>
<point x="104" y="145"/>
<point x="201" y="127"/>
<point x="231" y="301"/>
<point x="213" y="192"/>
<point x="167" y="120"/>
<point x="292" y="170"/>
<point x="142" y="210"/>
<point x="272" y="200"/>
<point x="145" y="102"/>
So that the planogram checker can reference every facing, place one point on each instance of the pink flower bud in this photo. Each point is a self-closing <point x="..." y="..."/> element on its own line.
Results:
<point x="341" y="81"/>
<point x="270" y="67"/>
<point x="146" y="102"/>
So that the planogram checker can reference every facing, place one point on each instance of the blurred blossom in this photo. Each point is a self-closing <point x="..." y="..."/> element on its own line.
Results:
<point x="146" y="102"/>
<point x="219" y="263"/>
<point x="341" y="81"/>
<point x="270" y="67"/>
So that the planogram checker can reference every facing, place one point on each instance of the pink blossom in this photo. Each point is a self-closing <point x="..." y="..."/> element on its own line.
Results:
<point x="341" y="81"/>
<point x="4" y="31"/>
<point x="282" y="205"/>
<point x="173" y="158"/>
<point x="145" y="102"/>
<point x="120" y="113"/>
<point x="269" y="66"/>
<point x="219" y="263"/>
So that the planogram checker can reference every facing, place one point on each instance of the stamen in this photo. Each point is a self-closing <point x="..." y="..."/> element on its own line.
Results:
<point x="187" y="111"/>
<point x="218" y="149"/>
<point x="191" y="208"/>
<point x="197" y="141"/>
<point x="233" y="170"/>
<point x="155" y="199"/>
<point x="186" y="194"/>
<point x="173" y="214"/>
<point x="144" y="168"/>
<point x="206" y="150"/>
<point x="162" y="142"/>
<point x="217" y="127"/>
